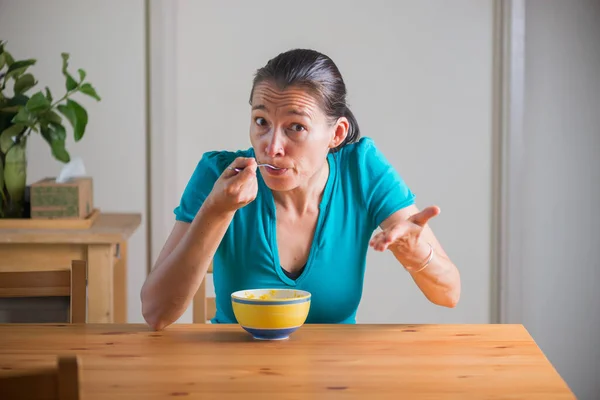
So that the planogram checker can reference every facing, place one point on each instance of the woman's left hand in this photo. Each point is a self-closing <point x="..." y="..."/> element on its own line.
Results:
<point x="403" y="238"/>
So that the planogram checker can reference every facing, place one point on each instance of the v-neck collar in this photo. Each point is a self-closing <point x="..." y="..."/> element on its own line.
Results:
<point x="317" y="241"/>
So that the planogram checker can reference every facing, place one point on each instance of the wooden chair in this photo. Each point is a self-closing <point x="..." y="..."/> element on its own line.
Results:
<point x="204" y="308"/>
<point x="60" y="382"/>
<point x="70" y="282"/>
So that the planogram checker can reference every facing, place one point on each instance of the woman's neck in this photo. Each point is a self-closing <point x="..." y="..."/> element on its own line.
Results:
<point x="307" y="197"/>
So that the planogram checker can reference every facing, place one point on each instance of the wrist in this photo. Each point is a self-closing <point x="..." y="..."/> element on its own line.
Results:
<point x="422" y="258"/>
<point x="214" y="208"/>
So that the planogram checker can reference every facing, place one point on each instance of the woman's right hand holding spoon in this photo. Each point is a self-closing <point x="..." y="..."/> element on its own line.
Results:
<point x="234" y="190"/>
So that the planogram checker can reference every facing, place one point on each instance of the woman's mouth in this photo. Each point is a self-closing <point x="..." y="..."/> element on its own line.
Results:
<point x="273" y="170"/>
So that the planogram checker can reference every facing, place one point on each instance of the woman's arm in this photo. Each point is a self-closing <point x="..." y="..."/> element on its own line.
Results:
<point x="407" y="234"/>
<point x="186" y="256"/>
<point x="181" y="266"/>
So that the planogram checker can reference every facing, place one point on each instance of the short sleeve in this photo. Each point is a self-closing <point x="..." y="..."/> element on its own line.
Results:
<point x="206" y="173"/>
<point x="383" y="189"/>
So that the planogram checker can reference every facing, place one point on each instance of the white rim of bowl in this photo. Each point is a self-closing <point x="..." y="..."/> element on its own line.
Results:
<point x="241" y="295"/>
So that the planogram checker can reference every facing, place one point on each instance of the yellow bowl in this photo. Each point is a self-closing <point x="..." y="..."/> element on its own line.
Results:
<point x="271" y="314"/>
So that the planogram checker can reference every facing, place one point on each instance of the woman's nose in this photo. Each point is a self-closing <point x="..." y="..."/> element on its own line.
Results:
<point x="275" y="145"/>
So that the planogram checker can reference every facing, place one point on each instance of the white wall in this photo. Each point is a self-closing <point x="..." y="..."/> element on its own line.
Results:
<point x="105" y="38"/>
<point x="419" y="76"/>
<point x="561" y="266"/>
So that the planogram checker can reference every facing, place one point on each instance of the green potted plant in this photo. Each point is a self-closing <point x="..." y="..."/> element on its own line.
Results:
<point x="22" y="114"/>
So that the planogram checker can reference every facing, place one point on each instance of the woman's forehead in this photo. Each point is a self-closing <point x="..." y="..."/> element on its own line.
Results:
<point x="271" y="98"/>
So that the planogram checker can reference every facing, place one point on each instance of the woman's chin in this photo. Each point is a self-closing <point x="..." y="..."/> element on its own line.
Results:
<point x="279" y="183"/>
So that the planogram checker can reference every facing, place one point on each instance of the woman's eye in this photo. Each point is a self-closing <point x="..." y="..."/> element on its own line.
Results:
<point x="297" y="128"/>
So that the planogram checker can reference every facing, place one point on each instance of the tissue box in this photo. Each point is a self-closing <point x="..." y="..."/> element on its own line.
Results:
<point x="70" y="200"/>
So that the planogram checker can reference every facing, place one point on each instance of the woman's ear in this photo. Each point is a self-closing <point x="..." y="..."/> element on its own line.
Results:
<point x="340" y="131"/>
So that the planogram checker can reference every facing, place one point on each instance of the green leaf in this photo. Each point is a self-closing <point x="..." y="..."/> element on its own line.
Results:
<point x="82" y="119"/>
<point x="77" y="116"/>
<point x="56" y="136"/>
<point x="70" y="83"/>
<point x="38" y="102"/>
<point x="88" y="89"/>
<point x="16" y="73"/>
<point x="21" y="64"/>
<point x="2" y="61"/>
<point x="48" y="94"/>
<point x="22" y="117"/>
<point x="6" y="137"/>
<point x="18" y="68"/>
<point x="46" y="134"/>
<point x="65" y="62"/>
<point x="8" y="58"/>
<point x="68" y="113"/>
<point x="53" y="117"/>
<point x="58" y="131"/>
<point x="60" y="152"/>
<point x="24" y="83"/>
<point x="81" y="74"/>
<point x="47" y="118"/>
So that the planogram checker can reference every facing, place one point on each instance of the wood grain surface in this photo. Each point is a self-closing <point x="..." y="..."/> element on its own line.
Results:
<point x="108" y="228"/>
<point x="130" y="361"/>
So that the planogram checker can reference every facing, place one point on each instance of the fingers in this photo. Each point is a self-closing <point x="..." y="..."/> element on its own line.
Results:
<point x="234" y="189"/>
<point x="241" y="186"/>
<point x="424" y="215"/>
<point x="382" y="240"/>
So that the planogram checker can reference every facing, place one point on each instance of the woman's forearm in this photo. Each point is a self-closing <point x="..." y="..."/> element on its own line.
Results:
<point x="439" y="280"/>
<point x="174" y="281"/>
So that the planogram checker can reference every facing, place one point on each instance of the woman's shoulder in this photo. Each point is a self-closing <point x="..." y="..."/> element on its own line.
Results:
<point x="360" y="151"/>
<point x="381" y="187"/>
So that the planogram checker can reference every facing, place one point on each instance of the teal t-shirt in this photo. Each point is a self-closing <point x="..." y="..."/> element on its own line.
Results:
<point x="362" y="190"/>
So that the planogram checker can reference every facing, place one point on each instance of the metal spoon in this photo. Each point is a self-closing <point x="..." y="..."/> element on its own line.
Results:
<point x="259" y="165"/>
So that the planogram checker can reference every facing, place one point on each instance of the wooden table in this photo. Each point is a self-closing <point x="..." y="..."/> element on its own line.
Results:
<point x="103" y="246"/>
<point x="122" y="361"/>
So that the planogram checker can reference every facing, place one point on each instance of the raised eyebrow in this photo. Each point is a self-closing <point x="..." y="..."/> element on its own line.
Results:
<point x="299" y="112"/>
<point x="260" y="107"/>
<point x="293" y="111"/>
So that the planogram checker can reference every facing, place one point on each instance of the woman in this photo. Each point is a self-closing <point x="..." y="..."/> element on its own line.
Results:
<point x="307" y="218"/>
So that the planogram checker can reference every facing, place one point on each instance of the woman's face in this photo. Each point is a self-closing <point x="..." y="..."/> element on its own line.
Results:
<point x="289" y="130"/>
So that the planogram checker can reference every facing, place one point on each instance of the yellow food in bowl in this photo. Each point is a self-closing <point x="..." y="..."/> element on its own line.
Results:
<point x="272" y="293"/>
